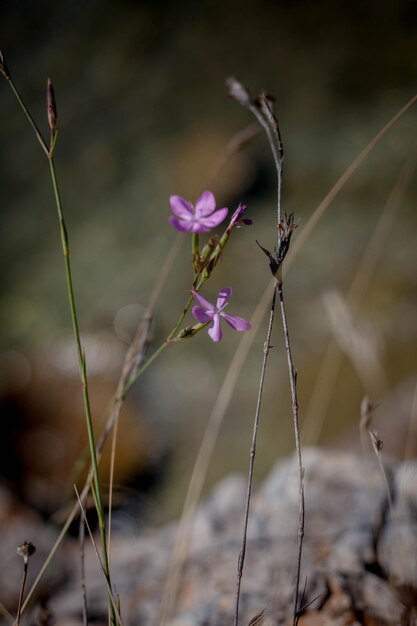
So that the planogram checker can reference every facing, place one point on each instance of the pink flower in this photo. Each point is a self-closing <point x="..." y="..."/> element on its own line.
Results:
<point x="196" y="219"/>
<point x="207" y="312"/>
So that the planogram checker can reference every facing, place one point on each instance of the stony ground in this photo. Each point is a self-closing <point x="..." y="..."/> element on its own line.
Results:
<point x="359" y="558"/>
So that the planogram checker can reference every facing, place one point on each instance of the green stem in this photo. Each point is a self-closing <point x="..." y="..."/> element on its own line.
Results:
<point x="142" y="369"/>
<point x="96" y="488"/>
<point x="157" y="352"/>
<point x="181" y="319"/>
<point x="168" y="341"/>
<point x="29" y="117"/>
<point x="98" y="499"/>
<point x="195" y="252"/>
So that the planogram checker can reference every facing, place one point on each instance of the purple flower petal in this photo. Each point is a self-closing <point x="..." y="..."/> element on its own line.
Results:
<point x="213" y="220"/>
<point x="223" y="298"/>
<point x="181" y="208"/>
<point x="207" y="312"/>
<point x="205" y="205"/>
<point x="207" y="306"/>
<point x="198" y="227"/>
<point x="215" y="330"/>
<point x="237" y="323"/>
<point x="237" y="219"/>
<point x="181" y="225"/>
<point x="201" y="315"/>
<point x="199" y="219"/>
<point x="237" y="214"/>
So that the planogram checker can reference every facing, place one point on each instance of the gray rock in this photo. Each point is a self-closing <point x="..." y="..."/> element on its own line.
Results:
<point x="351" y="570"/>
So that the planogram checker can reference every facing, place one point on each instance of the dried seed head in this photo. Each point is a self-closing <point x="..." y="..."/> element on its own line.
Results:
<point x="3" y="67"/>
<point x="367" y="409"/>
<point x="377" y="442"/>
<point x="51" y="107"/>
<point x="238" y="91"/>
<point x="25" y="550"/>
<point x="266" y="103"/>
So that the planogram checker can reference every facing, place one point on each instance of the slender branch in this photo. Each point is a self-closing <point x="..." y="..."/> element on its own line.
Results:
<point x="133" y="359"/>
<point x="294" y="404"/>
<point x="179" y="553"/>
<point x="315" y="414"/>
<point x="252" y="453"/>
<point x="262" y="109"/>
<point x="203" y="459"/>
<point x="22" y="590"/>
<point x="6" y="614"/>
<point x="97" y="494"/>
<point x="81" y="538"/>
<point x="51" y="111"/>
<point x="113" y="415"/>
<point x="25" y="551"/>
<point x="29" y="117"/>
<point x="276" y="153"/>
<point x="106" y="578"/>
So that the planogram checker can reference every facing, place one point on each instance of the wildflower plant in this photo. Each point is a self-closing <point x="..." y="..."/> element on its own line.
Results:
<point x="199" y="218"/>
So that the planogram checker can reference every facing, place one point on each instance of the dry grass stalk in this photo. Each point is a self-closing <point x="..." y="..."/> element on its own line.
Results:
<point x="263" y="110"/>
<point x="180" y="550"/>
<point x="367" y="409"/>
<point x="410" y="444"/>
<point x="333" y="357"/>
<point x="133" y="359"/>
<point x="103" y="571"/>
<point x="25" y="550"/>
<point x="81" y="541"/>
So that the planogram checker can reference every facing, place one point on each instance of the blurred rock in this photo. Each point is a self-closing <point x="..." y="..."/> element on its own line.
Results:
<point x="42" y="422"/>
<point x="344" y="580"/>
<point x="17" y="525"/>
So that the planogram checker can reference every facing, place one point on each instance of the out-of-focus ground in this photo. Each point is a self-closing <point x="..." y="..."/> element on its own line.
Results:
<point x="144" y="113"/>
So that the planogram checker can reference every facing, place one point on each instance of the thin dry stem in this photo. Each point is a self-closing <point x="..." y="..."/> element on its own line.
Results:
<point x="180" y="550"/>
<point x="103" y="571"/>
<point x="263" y="110"/>
<point x="133" y="360"/>
<point x="252" y="453"/>
<point x="367" y="409"/>
<point x="294" y="404"/>
<point x="134" y="357"/>
<point x="410" y="444"/>
<point x="25" y="550"/>
<point x="81" y="540"/>
<point x="6" y="614"/>
<point x="22" y="590"/>
<point x="237" y="143"/>
<point x="357" y="341"/>
<point x="377" y="446"/>
<point x="333" y="357"/>
<point x="204" y="456"/>
<point x="341" y="182"/>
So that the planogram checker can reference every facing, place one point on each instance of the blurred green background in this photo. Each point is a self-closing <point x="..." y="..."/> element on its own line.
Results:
<point x="143" y="114"/>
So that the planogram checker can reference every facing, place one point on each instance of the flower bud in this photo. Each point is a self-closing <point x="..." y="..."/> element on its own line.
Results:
<point x="51" y="107"/>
